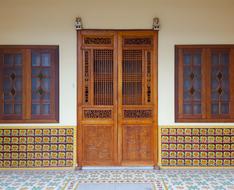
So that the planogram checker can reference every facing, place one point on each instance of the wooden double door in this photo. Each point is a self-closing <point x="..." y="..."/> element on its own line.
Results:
<point x="117" y="98"/>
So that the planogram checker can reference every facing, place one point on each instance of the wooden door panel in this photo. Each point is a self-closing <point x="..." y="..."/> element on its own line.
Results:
<point x="98" y="143"/>
<point x="136" y="98"/>
<point x="117" y="97"/>
<point x="137" y="143"/>
<point x="96" y="98"/>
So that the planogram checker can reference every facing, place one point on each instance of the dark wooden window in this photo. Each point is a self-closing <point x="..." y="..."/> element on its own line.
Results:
<point x="28" y="84"/>
<point x="204" y="83"/>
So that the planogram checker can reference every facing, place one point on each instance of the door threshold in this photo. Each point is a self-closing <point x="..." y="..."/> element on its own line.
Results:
<point x="117" y="168"/>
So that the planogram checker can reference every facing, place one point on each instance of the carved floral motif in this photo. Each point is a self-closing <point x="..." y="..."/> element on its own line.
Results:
<point x="97" y="114"/>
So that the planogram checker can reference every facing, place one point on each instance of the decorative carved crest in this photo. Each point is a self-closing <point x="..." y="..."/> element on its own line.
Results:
<point x="156" y="24"/>
<point x="78" y="23"/>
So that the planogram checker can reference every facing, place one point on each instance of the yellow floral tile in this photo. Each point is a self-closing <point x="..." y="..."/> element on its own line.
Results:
<point x="180" y="146"/>
<point x="7" y="148"/>
<point x="211" y="162"/>
<point x="188" y="162"/>
<point x="165" y="147"/>
<point x="172" y="162"/>
<point x="211" y="154"/>
<point x="211" y="131"/>
<point x="172" y="131"/>
<point x="188" y="154"/>
<point x="180" y="131"/>
<point x="165" y="161"/>
<point x="54" y="147"/>
<point x="69" y="131"/>
<point x="203" y="162"/>
<point x="165" y="154"/>
<point x="61" y="155"/>
<point x="180" y="154"/>
<point x="69" y="139"/>
<point x="172" y="139"/>
<point x="54" y="131"/>
<point x="46" y="139"/>
<point x="62" y="131"/>
<point x="22" y="132"/>
<point x="69" y="155"/>
<point x="38" y="132"/>
<point x="15" y="132"/>
<point x="203" y="139"/>
<point x="188" y="131"/>
<point x="188" y="146"/>
<point x="38" y="147"/>
<point x="14" y="140"/>
<point x="22" y="147"/>
<point x="46" y="132"/>
<point x="54" y="155"/>
<point x="180" y="162"/>
<point x="7" y="155"/>
<point x="203" y="154"/>
<point x="30" y="132"/>
<point x="7" y="132"/>
<point x="226" y="131"/>
<point x="173" y="154"/>
<point x="219" y="139"/>
<point x="203" y="131"/>
<point x="54" y="139"/>
<point x="188" y="139"/>
<point x="164" y="131"/>
<point x="203" y="146"/>
<point x="226" y="139"/>
<point x="22" y="140"/>
<point x="69" y="147"/>
<point x="61" y="147"/>
<point x="180" y="139"/>
<point x="218" y="131"/>
<point x="219" y="162"/>
<point x="62" y="139"/>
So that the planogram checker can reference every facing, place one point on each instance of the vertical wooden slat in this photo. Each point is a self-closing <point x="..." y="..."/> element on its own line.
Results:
<point x="91" y="91"/>
<point x="57" y="84"/>
<point x="205" y="95"/>
<point x="80" y="99"/>
<point x="180" y="82"/>
<point x="154" y="97"/>
<point x="53" y="82"/>
<point x="1" y="85"/>
<point x="120" y="97"/>
<point x="231" y="82"/>
<point x="115" y="97"/>
<point x="143" y="77"/>
<point x="27" y="84"/>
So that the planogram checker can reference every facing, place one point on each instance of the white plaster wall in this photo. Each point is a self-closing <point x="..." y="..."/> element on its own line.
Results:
<point x="52" y="22"/>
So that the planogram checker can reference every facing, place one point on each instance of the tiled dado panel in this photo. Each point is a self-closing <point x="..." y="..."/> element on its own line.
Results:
<point x="196" y="147"/>
<point x="46" y="147"/>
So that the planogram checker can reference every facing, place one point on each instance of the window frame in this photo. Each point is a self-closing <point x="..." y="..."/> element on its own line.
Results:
<point x="205" y="115"/>
<point x="26" y="115"/>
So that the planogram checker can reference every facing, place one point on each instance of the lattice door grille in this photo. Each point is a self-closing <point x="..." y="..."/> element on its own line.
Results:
<point x="132" y="77"/>
<point x="103" y="77"/>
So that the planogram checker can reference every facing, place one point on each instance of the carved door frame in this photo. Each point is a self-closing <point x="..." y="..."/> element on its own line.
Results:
<point x="117" y="109"/>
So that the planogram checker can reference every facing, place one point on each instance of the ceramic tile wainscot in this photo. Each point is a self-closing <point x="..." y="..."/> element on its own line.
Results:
<point x="37" y="147"/>
<point x="196" y="146"/>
